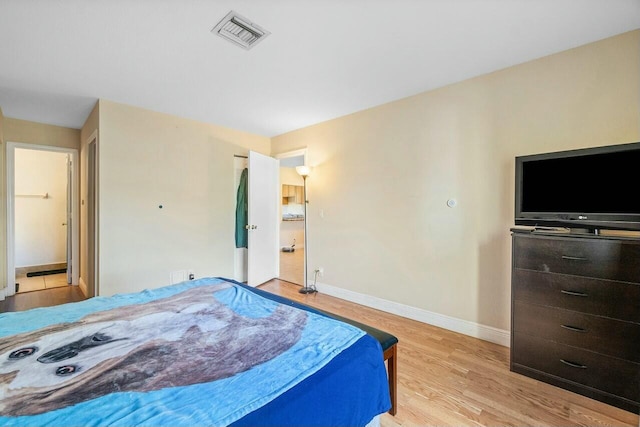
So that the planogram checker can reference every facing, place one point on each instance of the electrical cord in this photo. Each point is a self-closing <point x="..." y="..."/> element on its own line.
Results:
<point x="315" y="279"/>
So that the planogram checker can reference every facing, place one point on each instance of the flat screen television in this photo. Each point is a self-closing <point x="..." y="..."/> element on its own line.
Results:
<point x="591" y="188"/>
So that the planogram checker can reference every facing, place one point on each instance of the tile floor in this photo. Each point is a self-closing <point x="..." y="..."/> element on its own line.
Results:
<point x="38" y="283"/>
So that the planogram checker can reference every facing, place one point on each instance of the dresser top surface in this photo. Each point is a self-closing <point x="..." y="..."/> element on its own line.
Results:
<point x="604" y="234"/>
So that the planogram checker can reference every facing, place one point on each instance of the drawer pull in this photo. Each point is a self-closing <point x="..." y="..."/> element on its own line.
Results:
<point x="573" y="364"/>
<point x="574" y="258"/>
<point x="574" y="293"/>
<point x="573" y="328"/>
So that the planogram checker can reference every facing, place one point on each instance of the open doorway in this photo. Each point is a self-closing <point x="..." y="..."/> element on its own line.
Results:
<point x="42" y="236"/>
<point x="292" y="220"/>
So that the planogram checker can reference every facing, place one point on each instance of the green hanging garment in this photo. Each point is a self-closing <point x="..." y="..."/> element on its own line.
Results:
<point x="242" y="211"/>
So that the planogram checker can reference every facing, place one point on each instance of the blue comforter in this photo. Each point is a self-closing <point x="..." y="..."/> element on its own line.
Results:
<point x="206" y="352"/>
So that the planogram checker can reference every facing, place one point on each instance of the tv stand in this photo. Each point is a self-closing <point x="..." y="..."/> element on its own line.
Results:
<point x="575" y="313"/>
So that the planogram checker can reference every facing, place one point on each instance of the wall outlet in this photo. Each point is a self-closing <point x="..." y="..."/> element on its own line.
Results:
<point x="177" y="276"/>
<point x="320" y="271"/>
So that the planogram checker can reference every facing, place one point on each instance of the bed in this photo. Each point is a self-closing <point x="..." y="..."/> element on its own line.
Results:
<point x="205" y="352"/>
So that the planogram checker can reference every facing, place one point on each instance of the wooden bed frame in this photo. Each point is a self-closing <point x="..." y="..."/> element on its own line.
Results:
<point x="390" y="356"/>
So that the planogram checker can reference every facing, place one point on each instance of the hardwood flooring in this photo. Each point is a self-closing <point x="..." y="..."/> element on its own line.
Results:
<point x="450" y="379"/>
<point x="42" y="298"/>
<point x="444" y="378"/>
<point x="292" y="266"/>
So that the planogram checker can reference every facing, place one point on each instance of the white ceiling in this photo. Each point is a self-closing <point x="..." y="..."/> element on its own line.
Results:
<point x="323" y="59"/>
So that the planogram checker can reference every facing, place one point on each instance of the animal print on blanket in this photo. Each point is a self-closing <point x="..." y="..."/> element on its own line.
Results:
<point x="189" y="338"/>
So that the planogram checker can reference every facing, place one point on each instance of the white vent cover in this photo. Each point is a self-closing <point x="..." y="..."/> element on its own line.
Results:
<point x="240" y="30"/>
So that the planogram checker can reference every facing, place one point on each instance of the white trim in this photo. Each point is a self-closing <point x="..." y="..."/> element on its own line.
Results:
<point x="10" y="178"/>
<point x="96" y="215"/>
<point x="83" y="287"/>
<point x="10" y="213"/>
<point x="295" y="153"/>
<point x="472" y="329"/>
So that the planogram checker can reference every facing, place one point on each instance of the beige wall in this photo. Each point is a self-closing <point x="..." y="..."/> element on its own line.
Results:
<point x="381" y="177"/>
<point x="3" y="210"/>
<point x="41" y="134"/>
<point x="15" y="130"/>
<point x="148" y="159"/>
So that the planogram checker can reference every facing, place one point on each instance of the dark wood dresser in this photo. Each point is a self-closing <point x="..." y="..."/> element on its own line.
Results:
<point x="575" y="313"/>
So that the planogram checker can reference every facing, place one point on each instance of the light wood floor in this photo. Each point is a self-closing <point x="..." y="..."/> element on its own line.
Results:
<point x="292" y="266"/>
<point x="450" y="379"/>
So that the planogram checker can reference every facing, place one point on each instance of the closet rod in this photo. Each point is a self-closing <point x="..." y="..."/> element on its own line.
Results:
<point x="42" y="196"/>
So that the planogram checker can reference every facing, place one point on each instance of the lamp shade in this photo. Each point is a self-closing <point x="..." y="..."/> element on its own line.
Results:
<point x="303" y="170"/>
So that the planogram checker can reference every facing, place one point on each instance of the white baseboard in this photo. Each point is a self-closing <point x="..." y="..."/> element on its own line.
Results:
<point x="472" y="329"/>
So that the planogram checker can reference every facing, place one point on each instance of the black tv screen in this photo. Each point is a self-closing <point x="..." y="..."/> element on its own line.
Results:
<point x="590" y="188"/>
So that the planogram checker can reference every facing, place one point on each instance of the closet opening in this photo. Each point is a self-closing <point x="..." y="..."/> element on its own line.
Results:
<point x="42" y="236"/>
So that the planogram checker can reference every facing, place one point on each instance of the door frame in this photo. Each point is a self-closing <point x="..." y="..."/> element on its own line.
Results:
<point x="91" y="288"/>
<point x="10" y="213"/>
<point x="295" y="153"/>
<point x="302" y="152"/>
<point x="70" y="218"/>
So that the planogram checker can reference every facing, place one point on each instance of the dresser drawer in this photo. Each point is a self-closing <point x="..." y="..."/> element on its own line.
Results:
<point x="597" y="334"/>
<point x="608" y="374"/>
<point x="598" y="258"/>
<point x="618" y="300"/>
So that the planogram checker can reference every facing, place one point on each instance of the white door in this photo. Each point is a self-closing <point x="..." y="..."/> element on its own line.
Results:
<point x="262" y="219"/>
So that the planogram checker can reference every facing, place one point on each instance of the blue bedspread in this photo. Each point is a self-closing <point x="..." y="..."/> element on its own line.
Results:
<point x="266" y="357"/>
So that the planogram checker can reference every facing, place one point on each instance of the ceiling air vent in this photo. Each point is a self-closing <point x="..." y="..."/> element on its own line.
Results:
<point x="240" y="31"/>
